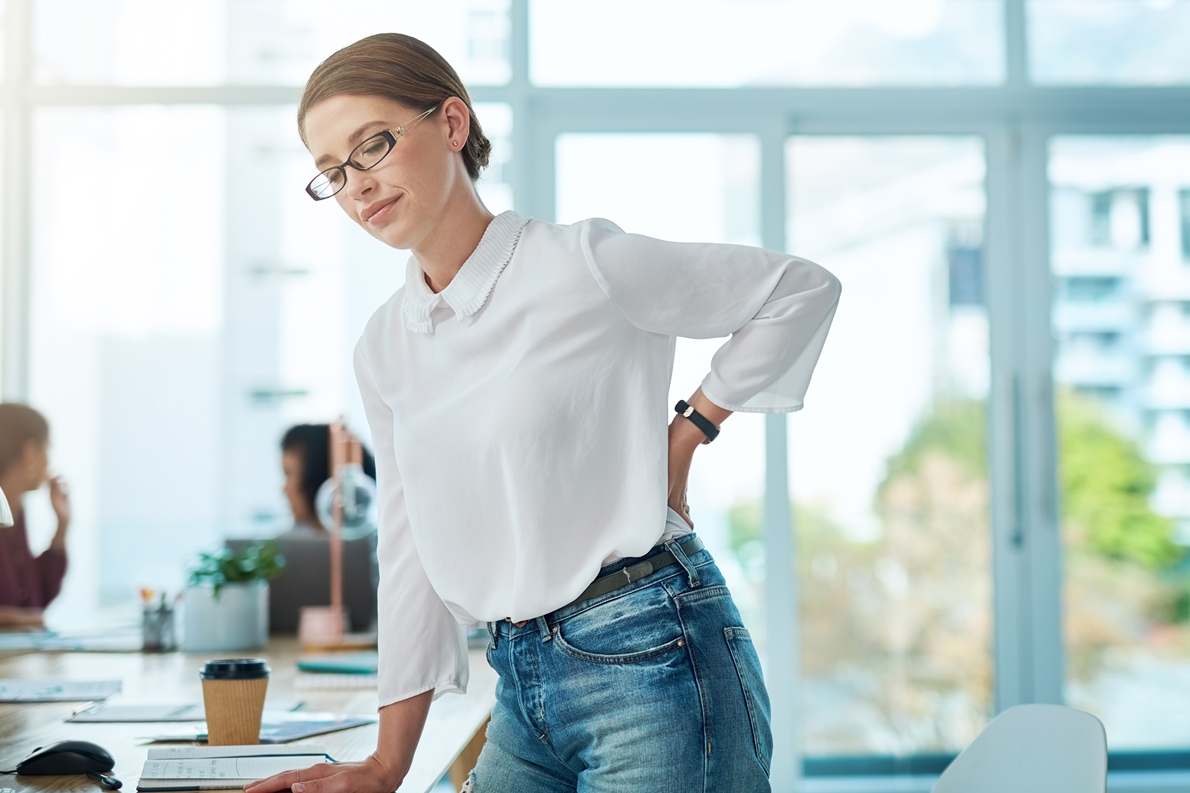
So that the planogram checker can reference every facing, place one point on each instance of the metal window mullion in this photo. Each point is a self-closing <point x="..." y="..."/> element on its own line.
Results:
<point x="1026" y="556"/>
<point x="1039" y="425"/>
<point x="1016" y="44"/>
<point x="14" y="348"/>
<point x="782" y="603"/>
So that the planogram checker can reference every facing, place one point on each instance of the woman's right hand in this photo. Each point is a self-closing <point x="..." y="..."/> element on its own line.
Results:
<point x="370" y="776"/>
<point x="384" y="770"/>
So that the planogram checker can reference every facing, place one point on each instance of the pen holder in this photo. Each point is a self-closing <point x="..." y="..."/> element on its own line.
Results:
<point x="157" y="628"/>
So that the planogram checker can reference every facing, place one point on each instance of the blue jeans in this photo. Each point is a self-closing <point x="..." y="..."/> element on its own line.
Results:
<point x="654" y="687"/>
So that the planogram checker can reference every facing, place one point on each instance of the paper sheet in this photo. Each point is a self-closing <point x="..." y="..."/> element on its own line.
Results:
<point x="56" y="690"/>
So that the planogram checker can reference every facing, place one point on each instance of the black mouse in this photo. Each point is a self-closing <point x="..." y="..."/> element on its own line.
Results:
<point x="66" y="757"/>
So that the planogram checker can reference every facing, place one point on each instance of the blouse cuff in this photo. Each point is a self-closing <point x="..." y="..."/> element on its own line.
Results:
<point x="450" y="686"/>
<point x="764" y="402"/>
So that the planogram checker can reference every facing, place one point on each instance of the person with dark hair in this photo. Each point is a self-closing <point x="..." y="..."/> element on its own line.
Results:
<point x="28" y="583"/>
<point x="528" y="479"/>
<point x="305" y="581"/>
<point x="305" y="459"/>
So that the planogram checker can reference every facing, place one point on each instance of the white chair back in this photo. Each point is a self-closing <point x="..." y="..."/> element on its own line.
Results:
<point x="1032" y="749"/>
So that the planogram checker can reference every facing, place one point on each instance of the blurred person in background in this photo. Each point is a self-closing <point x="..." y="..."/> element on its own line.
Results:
<point x="305" y="459"/>
<point x="305" y="580"/>
<point x="28" y="583"/>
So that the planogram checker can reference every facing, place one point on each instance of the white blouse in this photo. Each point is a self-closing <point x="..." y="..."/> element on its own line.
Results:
<point x="519" y="417"/>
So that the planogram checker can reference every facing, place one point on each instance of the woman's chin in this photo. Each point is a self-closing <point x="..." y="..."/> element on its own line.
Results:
<point x="394" y="235"/>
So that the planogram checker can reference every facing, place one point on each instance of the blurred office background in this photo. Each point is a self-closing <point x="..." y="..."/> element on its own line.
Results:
<point x="987" y="498"/>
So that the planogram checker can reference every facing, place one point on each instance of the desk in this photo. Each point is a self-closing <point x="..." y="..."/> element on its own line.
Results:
<point x="173" y="678"/>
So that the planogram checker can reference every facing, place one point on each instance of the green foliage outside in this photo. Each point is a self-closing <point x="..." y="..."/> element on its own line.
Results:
<point x="259" y="562"/>
<point x="1105" y="488"/>
<point x="1105" y="481"/>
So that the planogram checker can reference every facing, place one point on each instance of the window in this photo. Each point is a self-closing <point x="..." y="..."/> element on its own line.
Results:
<point x="891" y="494"/>
<point x="255" y="42"/>
<point x="1108" y="41"/>
<point x="1184" y="206"/>
<point x="1091" y="289"/>
<point x="1122" y="491"/>
<point x="766" y="42"/>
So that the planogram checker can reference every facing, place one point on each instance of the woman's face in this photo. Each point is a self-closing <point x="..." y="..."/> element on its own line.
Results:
<point x="294" y="467"/>
<point x="34" y="465"/>
<point x="400" y="200"/>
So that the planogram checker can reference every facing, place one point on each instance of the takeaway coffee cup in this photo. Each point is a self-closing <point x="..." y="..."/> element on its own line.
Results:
<point x="233" y="694"/>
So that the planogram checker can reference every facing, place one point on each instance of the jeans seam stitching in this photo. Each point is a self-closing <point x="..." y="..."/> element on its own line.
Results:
<point x="702" y="700"/>
<point x="625" y="658"/>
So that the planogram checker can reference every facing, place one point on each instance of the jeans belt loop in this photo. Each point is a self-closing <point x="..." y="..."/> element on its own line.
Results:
<point x="674" y="546"/>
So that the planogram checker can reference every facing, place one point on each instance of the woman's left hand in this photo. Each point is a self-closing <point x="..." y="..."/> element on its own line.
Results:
<point x="684" y="438"/>
<point x="60" y="500"/>
<point x="681" y="454"/>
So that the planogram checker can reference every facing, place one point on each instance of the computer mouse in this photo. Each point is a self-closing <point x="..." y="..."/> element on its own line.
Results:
<point x="66" y="757"/>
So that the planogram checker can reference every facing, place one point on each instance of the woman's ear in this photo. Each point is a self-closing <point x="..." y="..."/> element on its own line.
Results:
<point x="458" y="122"/>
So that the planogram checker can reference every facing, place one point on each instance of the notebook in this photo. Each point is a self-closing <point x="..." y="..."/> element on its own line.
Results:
<point x="102" y="713"/>
<point x="222" y="767"/>
<point x="362" y="663"/>
<point x="279" y="728"/>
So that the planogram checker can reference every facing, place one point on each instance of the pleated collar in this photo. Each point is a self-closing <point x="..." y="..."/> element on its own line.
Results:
<point x="472" y="285"/>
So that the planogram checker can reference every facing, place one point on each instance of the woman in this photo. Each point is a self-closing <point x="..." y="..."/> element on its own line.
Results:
<point x="516" y="389"/>
<point x="27" y="583"/>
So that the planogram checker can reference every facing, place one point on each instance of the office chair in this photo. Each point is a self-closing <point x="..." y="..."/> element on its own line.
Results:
<point x="1032" y="749"/>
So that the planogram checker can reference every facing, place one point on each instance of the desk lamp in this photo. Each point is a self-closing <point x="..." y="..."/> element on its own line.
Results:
<point x="347" y="503"/>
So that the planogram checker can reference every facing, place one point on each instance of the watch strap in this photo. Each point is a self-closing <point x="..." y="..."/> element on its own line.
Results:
<point x="687" y="410"/>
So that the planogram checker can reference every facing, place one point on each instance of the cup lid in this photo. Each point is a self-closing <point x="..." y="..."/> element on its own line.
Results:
<point x="234" y="669"/>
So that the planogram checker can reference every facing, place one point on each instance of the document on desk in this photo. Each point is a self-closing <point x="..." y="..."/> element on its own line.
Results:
<point x="222" y="767"/>
<point x="56" y="690"/>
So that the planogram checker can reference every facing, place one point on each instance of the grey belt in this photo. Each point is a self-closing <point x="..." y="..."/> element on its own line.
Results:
<point x="613" y="581"/>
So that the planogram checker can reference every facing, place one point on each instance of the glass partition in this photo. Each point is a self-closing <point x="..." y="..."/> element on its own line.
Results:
<point x="1121" y="318"/>
<point x="888" y="464"/>
<point x="720" y="43"/>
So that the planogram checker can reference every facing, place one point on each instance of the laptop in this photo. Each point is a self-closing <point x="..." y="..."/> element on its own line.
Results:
<point x="306" y="580"/>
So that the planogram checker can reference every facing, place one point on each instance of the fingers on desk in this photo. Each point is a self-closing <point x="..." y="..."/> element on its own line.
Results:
<point x="307" y="779"/>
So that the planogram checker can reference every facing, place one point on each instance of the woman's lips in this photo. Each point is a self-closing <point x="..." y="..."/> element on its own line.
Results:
<point x="377" y="215"/>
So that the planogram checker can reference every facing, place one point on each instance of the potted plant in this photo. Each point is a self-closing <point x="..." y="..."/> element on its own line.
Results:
<point x="227" y="599"/>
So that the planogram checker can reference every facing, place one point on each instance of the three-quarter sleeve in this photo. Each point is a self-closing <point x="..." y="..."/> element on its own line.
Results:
<point x="776" y="307"/>
<point x="421" y="645"/>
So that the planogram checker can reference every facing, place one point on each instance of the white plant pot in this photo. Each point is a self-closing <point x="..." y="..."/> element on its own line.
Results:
<point x="237" y="620"/>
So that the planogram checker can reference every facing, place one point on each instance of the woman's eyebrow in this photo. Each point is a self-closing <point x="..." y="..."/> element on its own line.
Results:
<point x="351" y="140"/>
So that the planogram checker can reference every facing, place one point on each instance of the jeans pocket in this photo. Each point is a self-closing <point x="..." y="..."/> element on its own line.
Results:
<point x="626" y="630"/>
<point x="756" y="697"/>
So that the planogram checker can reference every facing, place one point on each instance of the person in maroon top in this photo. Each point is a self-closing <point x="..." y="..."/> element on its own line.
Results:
<point x="28" y="583"/>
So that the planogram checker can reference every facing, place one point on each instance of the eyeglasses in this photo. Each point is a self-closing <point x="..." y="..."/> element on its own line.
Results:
<point x="366" y="155"/>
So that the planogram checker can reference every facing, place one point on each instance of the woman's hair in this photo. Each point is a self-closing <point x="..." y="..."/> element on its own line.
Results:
<point x="312" y="443"/>
<point x="400" y="68"/>
<point x="19" y="424"/>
